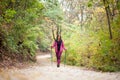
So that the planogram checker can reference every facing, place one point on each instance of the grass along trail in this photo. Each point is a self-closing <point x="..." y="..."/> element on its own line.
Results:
<point x="44" y="71"/>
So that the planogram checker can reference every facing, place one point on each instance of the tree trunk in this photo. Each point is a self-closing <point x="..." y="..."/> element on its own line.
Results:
<point x="108" y="18"/>
<point x="53" y="33"/>
<point x="81" y="17"/>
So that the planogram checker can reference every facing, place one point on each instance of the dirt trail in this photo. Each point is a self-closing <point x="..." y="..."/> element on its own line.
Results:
<point x="44" y="71"/>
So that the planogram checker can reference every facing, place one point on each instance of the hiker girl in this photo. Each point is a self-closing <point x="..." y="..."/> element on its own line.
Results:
<point x="59" y="47"/>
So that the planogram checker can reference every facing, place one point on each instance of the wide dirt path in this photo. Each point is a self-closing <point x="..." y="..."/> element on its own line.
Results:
<point x="44" y="71"/>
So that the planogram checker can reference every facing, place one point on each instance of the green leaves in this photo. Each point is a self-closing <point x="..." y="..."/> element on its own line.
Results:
<point x="53" y="11"/>
<point x="9" y="15"/>
<point x="90" y="3"/>
<point x="21" y="22"/>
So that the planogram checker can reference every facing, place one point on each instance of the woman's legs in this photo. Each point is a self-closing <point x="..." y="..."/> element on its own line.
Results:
<point x="58" y="55"/>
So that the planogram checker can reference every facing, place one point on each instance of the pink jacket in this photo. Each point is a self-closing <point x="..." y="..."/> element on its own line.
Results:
<point x="62" y="47"/>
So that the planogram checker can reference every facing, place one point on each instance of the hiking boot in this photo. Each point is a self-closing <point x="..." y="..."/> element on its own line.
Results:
<point x="58" y="65"/>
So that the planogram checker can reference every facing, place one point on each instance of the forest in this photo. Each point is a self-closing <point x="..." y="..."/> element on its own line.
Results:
<point x="90" y="30"/>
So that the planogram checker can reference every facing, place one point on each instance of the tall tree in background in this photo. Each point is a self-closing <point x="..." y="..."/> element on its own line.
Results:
<point x="108" y="13"/>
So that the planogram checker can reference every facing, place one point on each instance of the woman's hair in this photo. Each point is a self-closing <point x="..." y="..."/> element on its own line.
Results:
<point x="58" y="36"/>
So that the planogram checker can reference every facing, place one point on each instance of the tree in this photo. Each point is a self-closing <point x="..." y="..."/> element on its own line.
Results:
<point x="107" y="9"/>
<point x="18" y="19"/>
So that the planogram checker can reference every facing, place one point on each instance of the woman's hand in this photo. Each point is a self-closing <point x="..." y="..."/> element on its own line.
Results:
<point x="65" y="49"/>
<point x="51" y="47"/>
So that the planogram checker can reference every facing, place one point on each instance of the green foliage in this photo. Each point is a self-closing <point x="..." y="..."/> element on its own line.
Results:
<point x="93" y="50"/>
<point x="9" y="14"/>
<point x="53" y="11"/>
<point x="21" y="26"/>
<point x="90" y="3"/>
<point x="91" y="46"/>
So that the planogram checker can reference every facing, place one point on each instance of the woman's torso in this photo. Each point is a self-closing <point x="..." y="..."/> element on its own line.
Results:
<point x="59" y="44"/>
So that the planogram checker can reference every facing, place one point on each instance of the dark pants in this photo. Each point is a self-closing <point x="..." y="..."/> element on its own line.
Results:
<point x="58" y="56"/>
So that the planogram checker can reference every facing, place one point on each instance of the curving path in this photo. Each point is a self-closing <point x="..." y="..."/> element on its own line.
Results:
<point x="44" y="71"/>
